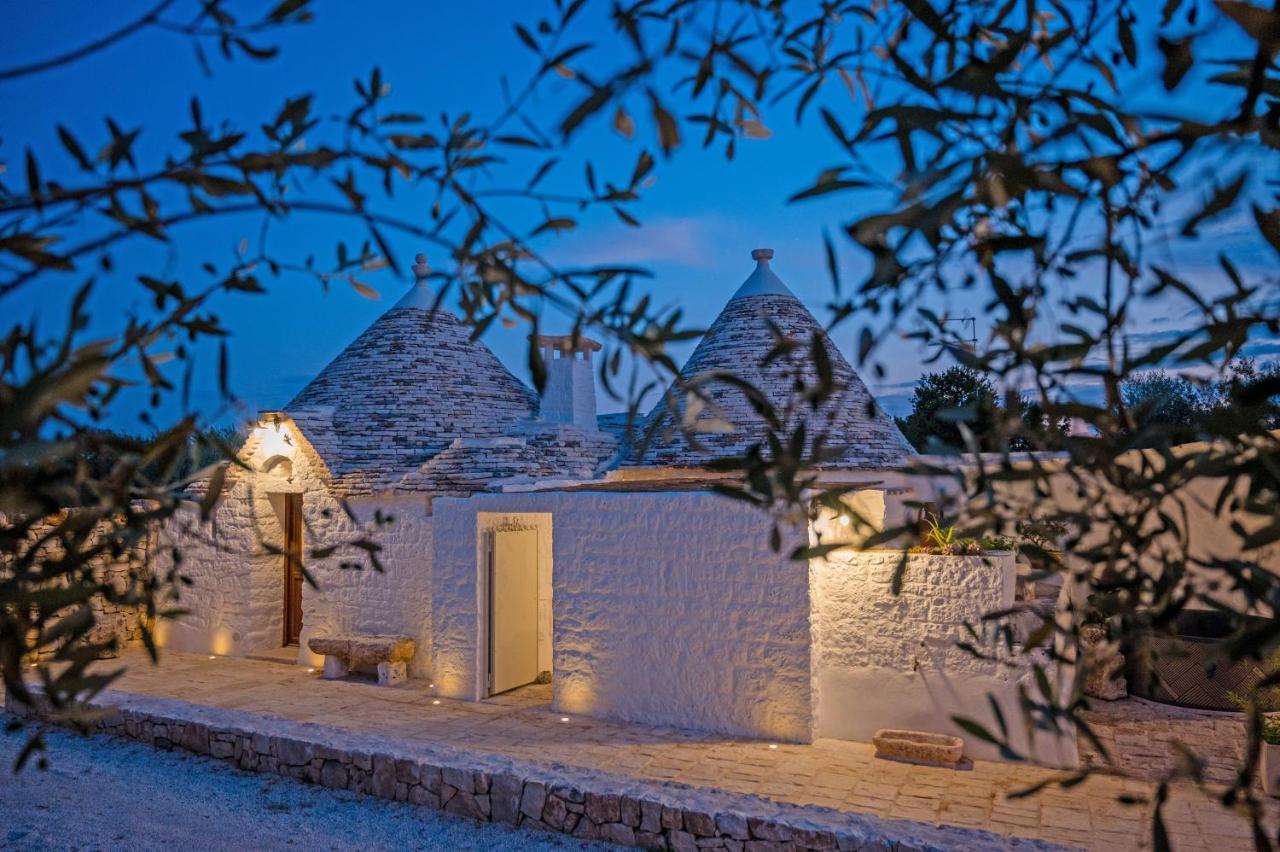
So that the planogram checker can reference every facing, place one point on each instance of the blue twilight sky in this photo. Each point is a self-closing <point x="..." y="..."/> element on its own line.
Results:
<point x="701" y="217"/>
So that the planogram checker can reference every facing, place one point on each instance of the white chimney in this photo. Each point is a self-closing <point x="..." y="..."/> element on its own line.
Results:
<point x="570" y="392"/>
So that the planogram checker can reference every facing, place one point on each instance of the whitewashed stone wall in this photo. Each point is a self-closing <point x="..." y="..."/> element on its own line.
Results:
<point x="236" y="597"/>
<point x="396" y="601"/>
<point x="667" y="609"/>
<point x="889" y="661"/>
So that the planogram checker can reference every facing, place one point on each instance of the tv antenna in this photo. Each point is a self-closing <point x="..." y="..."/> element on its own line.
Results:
<point x="972" y="340"/>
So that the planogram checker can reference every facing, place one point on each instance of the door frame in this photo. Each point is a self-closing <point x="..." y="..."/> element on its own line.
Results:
<point x="487" y="524"/>
<point x="491" y="551"/>
<point x="291" y="527"/>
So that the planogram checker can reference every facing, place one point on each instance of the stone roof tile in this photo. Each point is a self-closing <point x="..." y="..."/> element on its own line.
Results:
<point x="859" y="432"/>
<point x="402" y="392"/>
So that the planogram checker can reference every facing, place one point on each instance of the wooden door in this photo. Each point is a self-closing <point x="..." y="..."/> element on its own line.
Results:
<point x="513" y="610"/>
<point x="292" y="568"/>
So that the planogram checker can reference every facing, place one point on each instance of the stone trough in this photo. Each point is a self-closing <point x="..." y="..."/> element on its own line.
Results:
<point x="918" y="747"/>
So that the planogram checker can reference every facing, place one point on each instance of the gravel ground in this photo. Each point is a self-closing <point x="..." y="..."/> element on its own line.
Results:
<point x="104" y="793"/>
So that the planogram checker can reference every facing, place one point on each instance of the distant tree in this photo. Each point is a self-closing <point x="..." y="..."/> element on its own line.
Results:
<point x="1248" y="396"/>
<point x="1173" y="403"/>
<point x="944" y="402"/>
<point x="941" y="402"/>
<point x="1040" y="430"/>
<point x="1170" y="408"/>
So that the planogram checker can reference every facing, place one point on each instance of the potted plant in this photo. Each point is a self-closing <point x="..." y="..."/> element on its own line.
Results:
<point x="1040" y="557"/>
<point x="939" y="539"/>
<point x="1104" y="663"/>
<point x="1270" y="767"/>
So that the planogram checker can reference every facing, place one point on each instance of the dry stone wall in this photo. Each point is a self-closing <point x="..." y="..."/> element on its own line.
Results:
<point x="1145" y="739"/>
<point x="112" y="620"/>
<point x="492" y="789"/>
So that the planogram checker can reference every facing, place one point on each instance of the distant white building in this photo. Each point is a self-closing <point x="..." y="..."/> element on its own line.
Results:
<point x="529" y="541"/>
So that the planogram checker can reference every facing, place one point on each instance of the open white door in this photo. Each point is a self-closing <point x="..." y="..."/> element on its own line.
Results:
<point x="513" y="610"/>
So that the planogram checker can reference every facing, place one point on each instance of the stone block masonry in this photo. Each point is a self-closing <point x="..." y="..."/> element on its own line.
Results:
<point x="491" y="789"/>
<point x="1143" y="738"/>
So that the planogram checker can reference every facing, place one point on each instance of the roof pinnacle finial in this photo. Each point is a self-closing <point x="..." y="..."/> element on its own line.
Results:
<point x="421" y="269"/>
<point x="763" y="281"/>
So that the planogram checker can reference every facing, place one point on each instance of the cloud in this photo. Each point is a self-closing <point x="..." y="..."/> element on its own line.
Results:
<point x="684" y="241"/>
<point x="892" y="386"/>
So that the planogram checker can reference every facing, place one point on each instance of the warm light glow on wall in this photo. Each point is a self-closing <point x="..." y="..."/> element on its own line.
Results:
<point x="448" y="683"/>
<point x="222" y="641"/>
<point x="575" y="695"/>
<point x="273" y="440"/>
<point x="865" y="515"/>
<point x="160" y="632"/>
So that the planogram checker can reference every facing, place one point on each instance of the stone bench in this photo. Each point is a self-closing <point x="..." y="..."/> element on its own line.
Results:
<point x="391" y="654"/>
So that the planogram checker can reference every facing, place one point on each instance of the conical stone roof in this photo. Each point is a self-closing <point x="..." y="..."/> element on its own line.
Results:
<point x="403" y="391"/>
<point x="859" y="433"/>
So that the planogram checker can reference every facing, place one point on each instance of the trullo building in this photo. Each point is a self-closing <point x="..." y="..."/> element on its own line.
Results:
<point x="530" y="541"/>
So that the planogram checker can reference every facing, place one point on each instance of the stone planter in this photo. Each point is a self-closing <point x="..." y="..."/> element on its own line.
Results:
<point x="1270" y="769"/>
<point x="918" y="747"/>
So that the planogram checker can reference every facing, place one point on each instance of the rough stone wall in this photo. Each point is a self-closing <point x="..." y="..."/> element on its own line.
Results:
<point x="122" y="622"/>
<point x="889" y="661"/>
<point x="236" y="599"/>
<point x="667" y="609"/>
<point x="1142" y="738"/>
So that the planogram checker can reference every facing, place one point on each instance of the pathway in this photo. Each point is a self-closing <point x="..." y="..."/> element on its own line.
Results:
<point x="834" y="774"/>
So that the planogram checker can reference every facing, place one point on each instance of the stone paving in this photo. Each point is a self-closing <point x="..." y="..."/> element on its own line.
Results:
<point x="843" y="776"/>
